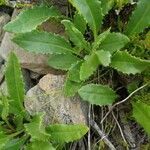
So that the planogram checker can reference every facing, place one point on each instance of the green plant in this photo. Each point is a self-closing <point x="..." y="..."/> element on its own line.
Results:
<point x="2" y="2"/>
<point x="18" y="129"/>
<point x="84" y="59"/>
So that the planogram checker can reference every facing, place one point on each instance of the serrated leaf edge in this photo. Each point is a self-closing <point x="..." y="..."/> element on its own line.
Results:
<point x="105" y="86"/>
<point x="141" y="60"/>
<point x="54" y="34"/>
<point x="23" y="11"/>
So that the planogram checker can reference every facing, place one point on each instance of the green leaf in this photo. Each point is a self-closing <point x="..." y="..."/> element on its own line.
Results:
<point x="43" y="42"/>
<point x="106" y="6"/>
<point x="71" y="87"/>
<point x="97" y="94"/>
<point x="114" y="42"/>
<point x="36" y="129"/>
<point x="75" y="35"/>
<point x="89" y="65"/>
<point x="100" y="39"/>
<point x="104" y="57"/>
<point x="91" y="11"/>
<point x="29" y="19"/>
<point x="74" y="72"/>
<point x="3" y="139"/>
<point x="126" y="63"/>
<point x="140" y="18"/>
<point x="40" y="145"/>
<point x="121" y="3"/>
<point x="66" y="133"/>
<point x="62" y="61"/>
<point x="15" y="144"/>
<point x="132" y="86"/>
<point x="15" y="85"/>
<point x="146" y="42"/>
<point x="73" y="82"/>
<point x="79" y="22"/>
<point x="141" y="112"/>
<point x="3" y="2"/>
<point x="5" y="108"/>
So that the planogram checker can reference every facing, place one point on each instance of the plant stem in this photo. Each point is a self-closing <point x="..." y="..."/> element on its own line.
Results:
<point x="103" y="136"/>
<point x="16" y="133"/>
<point x="124" y="100"/>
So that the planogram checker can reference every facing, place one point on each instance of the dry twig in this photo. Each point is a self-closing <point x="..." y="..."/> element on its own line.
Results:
<point x="121" y="132"/>
<point x="103" y="136"/>
<point x="120" y="102"/>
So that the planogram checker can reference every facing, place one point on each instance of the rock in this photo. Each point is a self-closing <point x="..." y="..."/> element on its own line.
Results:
<point x="6" y="9"/>
<point x="4" y="19"/>
<point x="31" y="61"/>
<point x="54" y="26"/>
<point x="47" y="97"/>
<point x="62" y="5"/>
<point x="34" y="75"/>
<point x="27" y="79"/>
<point x="1" y="74"/>
<point x="1" y="61"/>
<point x="3" y="88"/>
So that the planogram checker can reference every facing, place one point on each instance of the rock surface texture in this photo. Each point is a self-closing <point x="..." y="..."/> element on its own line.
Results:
<point x="61" y="5"/>
<point x="47" y="97"/>
<point x="4" y="19"/>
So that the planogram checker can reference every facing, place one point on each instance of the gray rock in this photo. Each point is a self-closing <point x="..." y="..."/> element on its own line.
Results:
<point x="13" y="3"/>
<point x="62" y="5"/>
<point x="27" y="79"/>
<point x="47" y="97"/>
<point x="4" y="19"/>
<point x="34" y="75"/>
<point x="1" y="61"/>
<point x="3" y="88"/>
<point x="1" y="73"/>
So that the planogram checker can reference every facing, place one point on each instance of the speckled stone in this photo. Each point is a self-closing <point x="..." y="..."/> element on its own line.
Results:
<point x="47" y="97"/>
<point x="4" y="19"/>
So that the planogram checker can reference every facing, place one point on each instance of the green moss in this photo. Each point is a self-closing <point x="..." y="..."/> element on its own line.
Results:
<point x="144" y="97"/>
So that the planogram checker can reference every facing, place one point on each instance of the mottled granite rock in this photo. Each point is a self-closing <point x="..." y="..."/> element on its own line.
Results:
<point x="47" y="97"/>
<point x="4" y="19"/>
